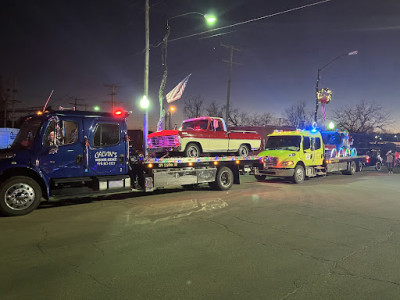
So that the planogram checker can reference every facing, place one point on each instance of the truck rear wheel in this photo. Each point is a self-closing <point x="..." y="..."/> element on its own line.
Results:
<point x="351" y="168"/>
<point x="299" y="174"/>
<point x="223" y="180"/>
<point x="192" y="150"/>
<point x="19" y="196"/>
<point x="243" y="151"/>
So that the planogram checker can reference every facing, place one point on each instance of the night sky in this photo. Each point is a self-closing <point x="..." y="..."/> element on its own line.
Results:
<point x="76" y="47"/>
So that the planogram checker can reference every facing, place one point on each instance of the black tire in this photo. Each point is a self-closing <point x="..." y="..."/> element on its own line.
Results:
<point x="243" y="151"/>
<point x="360" y="166"/>
<point x="192" y="150"/>
<point x="260" y="177"/>
<point x="378" y="166"/>
<point x="19" y="196"/>
<point x="223" y="180"/>
<point x="351" y="168"/>
<point x="299" y="174"/>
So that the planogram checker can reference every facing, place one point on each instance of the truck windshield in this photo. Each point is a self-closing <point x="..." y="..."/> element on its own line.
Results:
<point x="27" y="133"/>
<point x="286" y="142"/>
<point x="195" y="125"/>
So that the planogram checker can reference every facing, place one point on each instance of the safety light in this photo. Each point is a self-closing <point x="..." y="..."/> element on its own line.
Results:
<point x="190" y="164"/>
<point x="237" y="162"/>
<point x="150" y="166"/>
<point x="39" y="113"/>
<point x="215" y="163"/>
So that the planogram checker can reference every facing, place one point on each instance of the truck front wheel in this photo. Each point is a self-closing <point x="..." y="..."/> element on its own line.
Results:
<point x="223" y="180"/>
<point x="299" y="174"/>
<point x="192" y="150"/>
<point x="19" y="196"/>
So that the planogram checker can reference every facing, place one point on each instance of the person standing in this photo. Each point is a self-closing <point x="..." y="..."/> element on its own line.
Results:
<point x="389" y="161"/>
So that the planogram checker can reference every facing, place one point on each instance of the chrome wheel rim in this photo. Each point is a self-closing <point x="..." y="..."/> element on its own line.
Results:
<point x="193" y="152"/>
<point x="244" y="151"/>
<point x="299" y="174"/>
<point x="225" y="178"/>
<point x="19" y="196"/>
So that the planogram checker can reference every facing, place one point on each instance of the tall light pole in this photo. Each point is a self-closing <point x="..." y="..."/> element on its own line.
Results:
<point x="210" y="20"/>
<point x="145" y="102"/>
<point x="318" y="78"/>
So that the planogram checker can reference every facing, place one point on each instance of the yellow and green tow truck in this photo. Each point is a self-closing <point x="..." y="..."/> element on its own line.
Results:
<point x="301" y="153"/>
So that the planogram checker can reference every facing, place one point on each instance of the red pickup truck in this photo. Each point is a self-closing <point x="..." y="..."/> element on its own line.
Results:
<point x="204" y="135"/>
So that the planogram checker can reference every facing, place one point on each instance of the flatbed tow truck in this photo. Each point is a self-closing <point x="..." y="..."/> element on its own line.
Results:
<point x="301" y="154"/>
<point x="69" y="154"/>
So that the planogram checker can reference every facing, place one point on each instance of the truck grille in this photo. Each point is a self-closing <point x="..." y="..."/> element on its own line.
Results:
<point x="163" y="141"/>
<point x="270" y="161"/>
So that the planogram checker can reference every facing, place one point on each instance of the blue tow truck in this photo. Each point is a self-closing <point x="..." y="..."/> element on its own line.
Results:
<point x="69" y="154"/>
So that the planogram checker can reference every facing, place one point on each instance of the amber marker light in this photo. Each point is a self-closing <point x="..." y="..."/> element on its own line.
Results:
<point x="238" y="162"/>
<point x="150" y="165"/>
<point x="190" y="164"/>
<point x="215" y="163"/>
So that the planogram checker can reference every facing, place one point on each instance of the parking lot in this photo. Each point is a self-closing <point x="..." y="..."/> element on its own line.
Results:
<point x="334" y="237"/>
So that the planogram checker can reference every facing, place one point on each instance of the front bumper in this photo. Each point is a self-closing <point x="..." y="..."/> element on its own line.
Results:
<point x="164" y="149"/>
<point x="275" y="172"/>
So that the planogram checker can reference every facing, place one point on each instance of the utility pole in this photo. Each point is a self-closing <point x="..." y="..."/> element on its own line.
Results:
<point x="230" y="63"/>
<point x="113" y="88"/>
<point x="13" y="101"/>
<point x="76" y="104"/>
<point x="146" y="75"/>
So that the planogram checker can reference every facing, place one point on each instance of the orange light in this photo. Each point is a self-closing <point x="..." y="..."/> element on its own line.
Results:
<point x="39" y="113"/>
<point x="215" y="163"/>
<point x="172" y="108"/>
<point x="150" y="165"/>
<point x="237" y="162"/>
<point x="190" y="164"/>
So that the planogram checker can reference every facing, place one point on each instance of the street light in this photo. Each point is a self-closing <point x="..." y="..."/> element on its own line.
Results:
<point x="318" y="78"/>
<point x="210" y="19"/>
<point x="171" y="110"/>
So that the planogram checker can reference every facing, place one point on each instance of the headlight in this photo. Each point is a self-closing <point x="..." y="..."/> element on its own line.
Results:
<point x="287" y="163"/>
<point x="292" y="154"/>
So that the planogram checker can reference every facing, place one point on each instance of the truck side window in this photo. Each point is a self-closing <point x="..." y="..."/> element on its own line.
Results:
<point x="106" y="135"/>
<point x="220" y="126"/>
<point x="70" y="132"/>
<point x="317" y="143"/>
<point x="306" y="143"/>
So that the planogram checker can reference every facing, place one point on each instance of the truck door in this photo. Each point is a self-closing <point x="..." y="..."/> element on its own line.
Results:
<point x="106" y="150"/>
<point x="308" y="150"/>
<point x="61" y="154"/>
<point x="219" y="136"/>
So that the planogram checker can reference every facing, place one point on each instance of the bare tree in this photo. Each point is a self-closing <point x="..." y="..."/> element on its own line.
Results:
<point x="362" y="118"/>
<point x="296" y="115"/>
<point x="214" y="110"/>
<point x="193" y="106"/>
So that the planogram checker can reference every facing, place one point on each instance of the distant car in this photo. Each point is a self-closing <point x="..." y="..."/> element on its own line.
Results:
<point x="204" y="135"/>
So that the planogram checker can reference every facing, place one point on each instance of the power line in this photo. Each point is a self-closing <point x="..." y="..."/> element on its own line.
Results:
<point x="113" y="93"/>
<point x="249" y="21"/>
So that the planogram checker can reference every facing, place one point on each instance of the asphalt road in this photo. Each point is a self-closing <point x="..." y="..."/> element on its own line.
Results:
<point x="329" y="238"/>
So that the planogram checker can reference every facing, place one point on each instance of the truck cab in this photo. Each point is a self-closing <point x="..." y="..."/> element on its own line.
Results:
<point x="84" y="151"/>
